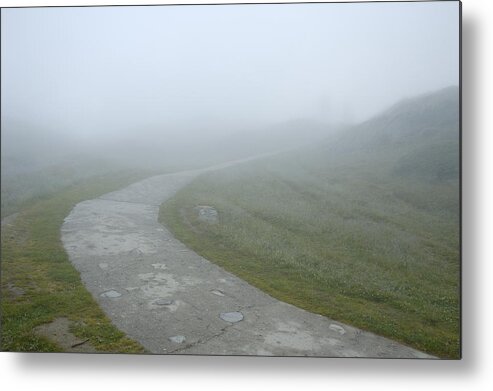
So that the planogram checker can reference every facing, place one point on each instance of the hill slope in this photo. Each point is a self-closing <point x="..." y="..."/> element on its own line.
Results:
<point x="418" y="136"/>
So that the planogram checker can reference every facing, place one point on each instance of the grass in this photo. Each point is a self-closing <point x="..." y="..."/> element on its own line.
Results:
<point x="21" y="189"/>
<point x="358" y="243"/>
<point x="39" y="284"/>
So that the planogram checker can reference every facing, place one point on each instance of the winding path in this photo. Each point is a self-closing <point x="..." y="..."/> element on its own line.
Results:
<point x="172" y="300"/>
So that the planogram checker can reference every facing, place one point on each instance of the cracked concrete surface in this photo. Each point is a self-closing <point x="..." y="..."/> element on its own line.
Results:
<point x="172" y="300"/>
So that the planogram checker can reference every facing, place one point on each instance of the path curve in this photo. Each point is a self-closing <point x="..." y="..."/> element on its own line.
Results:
<point x="172" y="300"/>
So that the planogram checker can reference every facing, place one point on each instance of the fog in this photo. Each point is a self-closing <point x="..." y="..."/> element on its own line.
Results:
<point x="168" y="85"/>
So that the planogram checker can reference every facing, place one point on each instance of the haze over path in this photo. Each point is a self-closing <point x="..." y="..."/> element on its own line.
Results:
<point x="172" y="300"/>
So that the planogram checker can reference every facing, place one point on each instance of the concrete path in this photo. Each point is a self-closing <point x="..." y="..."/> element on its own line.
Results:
<point x="172" y="300"/>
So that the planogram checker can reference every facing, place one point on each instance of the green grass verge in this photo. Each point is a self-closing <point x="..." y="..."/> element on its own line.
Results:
<point x="357" y="245"/>
<point x="34" y="262"/>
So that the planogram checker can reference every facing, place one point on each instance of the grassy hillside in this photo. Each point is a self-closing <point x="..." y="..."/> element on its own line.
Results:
<point x="23" y="187"/>
<point x="363" y="228"/>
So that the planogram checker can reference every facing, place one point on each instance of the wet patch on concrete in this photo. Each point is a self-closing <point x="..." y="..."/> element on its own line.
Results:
<point x="112" y="294"/>
<point x="217" y="292"/>
<point x="159" y="285"/>
<point x="231" y="317"/>
<point x="337" y="328"/>
<point x="177" y="339"/>
<point x="157" y="278"/>
<point x="164" y="305"/>
<point x="159" y="266"/>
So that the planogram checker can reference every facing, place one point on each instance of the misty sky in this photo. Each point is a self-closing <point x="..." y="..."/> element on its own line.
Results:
<point x="102" y="71"/>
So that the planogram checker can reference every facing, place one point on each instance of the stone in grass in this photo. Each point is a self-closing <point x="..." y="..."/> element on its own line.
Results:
<point x="207" y="214"/>
<point x="177" y="339"/>
<point x="112" y="294"/>
<point x="231" y="317"/>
